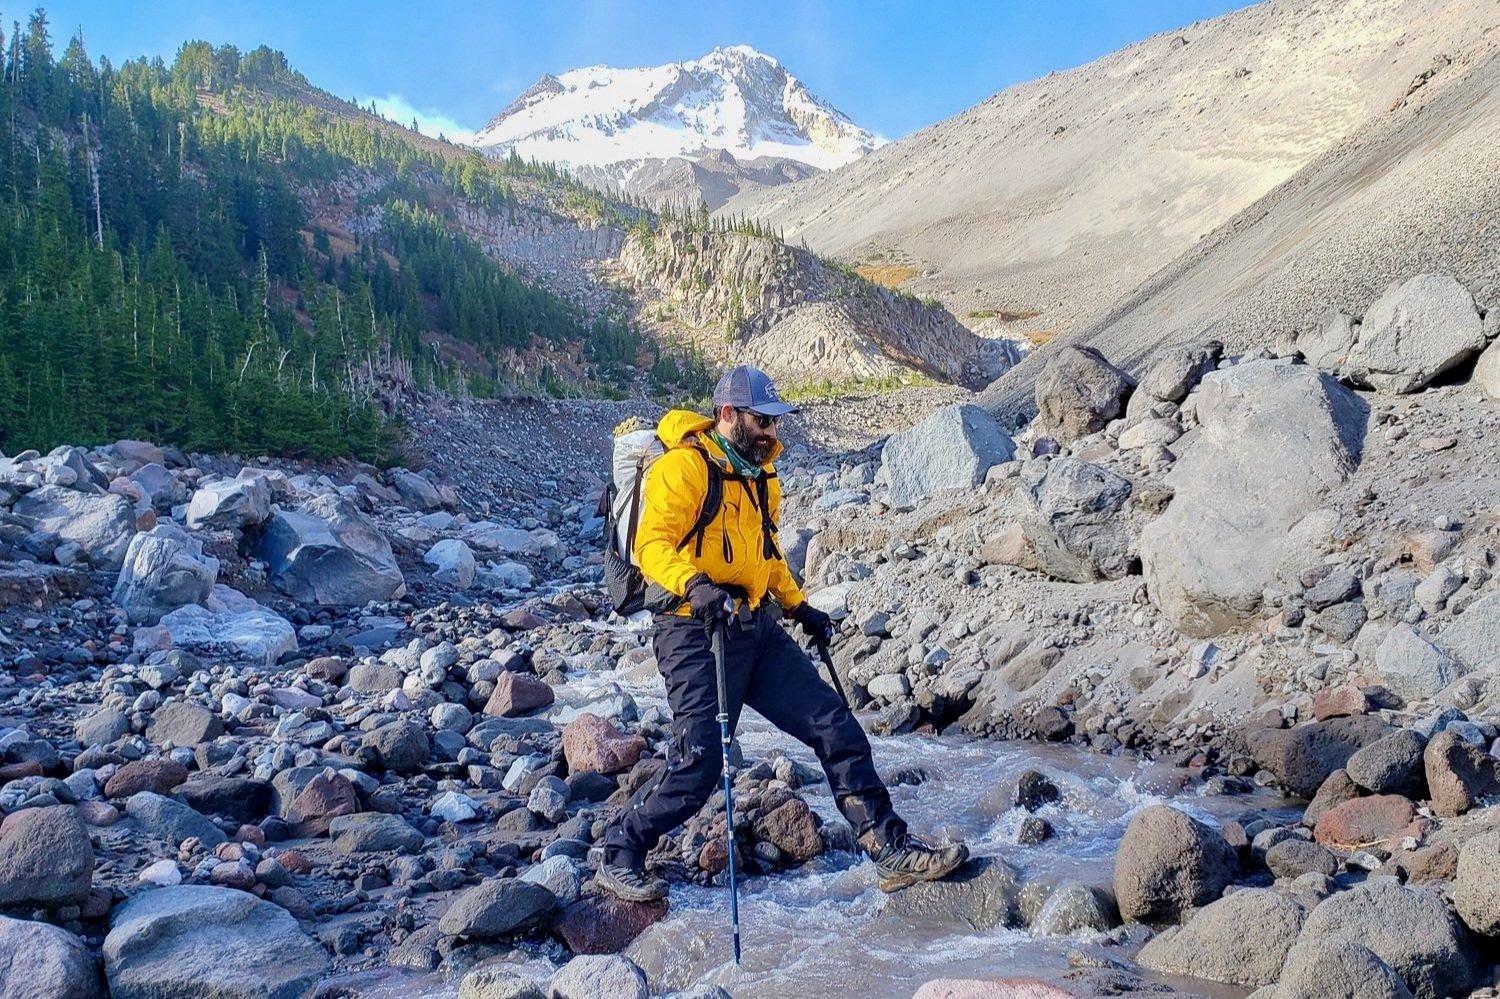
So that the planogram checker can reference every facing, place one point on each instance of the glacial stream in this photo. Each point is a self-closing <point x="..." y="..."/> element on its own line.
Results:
<point x="821" y="930"/>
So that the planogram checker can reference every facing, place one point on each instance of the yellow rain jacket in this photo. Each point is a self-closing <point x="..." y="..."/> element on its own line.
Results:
<point x="733" y="551"/>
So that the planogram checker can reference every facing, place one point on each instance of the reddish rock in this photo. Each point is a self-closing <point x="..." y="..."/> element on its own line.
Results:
<point x="1339" y="702"/>
<point x="713" y="857"/>
<point x="1365" y="822"/>
<point x="158" y="775"/>
<point x="233" y="875"/>
<point x="98" y="813"/>
<point x="248" y="833"/>
<point x="15" y="771"/>
<point x="1459" y="774"/>
<point x="603" y="924"/>
<point x="325" y="798"/>
<point x="294" y="861"/>
<point x="517" y="694"/>
<point x="1427" y="863"/>
<point x="521" y="620"/>
<point x="593" y="744"/>
<point x="792" y="829"/>
<point x="991" y="988"/>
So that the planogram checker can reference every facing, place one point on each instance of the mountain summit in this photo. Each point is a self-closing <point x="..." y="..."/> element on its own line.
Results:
<point x="732" y="120"/>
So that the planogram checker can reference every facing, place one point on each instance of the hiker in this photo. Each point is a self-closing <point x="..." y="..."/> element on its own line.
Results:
<point x="728" y="571"/>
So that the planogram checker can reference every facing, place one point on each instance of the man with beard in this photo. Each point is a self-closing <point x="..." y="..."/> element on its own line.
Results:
<point x="729" y="571"/>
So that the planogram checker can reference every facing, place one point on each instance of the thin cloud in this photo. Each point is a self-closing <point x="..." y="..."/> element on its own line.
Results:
<point x="429" y="122"/>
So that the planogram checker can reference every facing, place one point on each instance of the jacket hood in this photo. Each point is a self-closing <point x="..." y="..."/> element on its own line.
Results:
<point x="678" y="425"/>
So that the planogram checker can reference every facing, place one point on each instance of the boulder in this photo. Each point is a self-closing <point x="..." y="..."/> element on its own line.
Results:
<point x="604" y="924"/>
<point x="1472" y="641"/>
<point x="373" y="832"/>
<point x="1175" y="372"/>
<point x="517" y="694"/>
<point x="102" y="727"/>
<point x="497" y="978"/>
<point x="1459" y="774"/>
<point x="195" y="940"/>
<point x="1072" y="515"/>
<point x="416" y="492"/>
<point x="1411" y="929"/>
<point x="101" y="525"/>
<point x="230" y="504"/>
<point x="171" y="821"/>
<point x="1476" y="886"/>
<point x="231" y="624"/>
<point x="1487" y="371"/>
<point x="599" y="976"/>
<point x="983" y="894"/>
<point x="792" y="828"/>
<point x="452" y="562"/>
<point x="951" y="449"/>
<point x="183" y="723"/>
<point x="498" y="907"/>
<point x="1078" y="393"/>
<point x="46" y="858"/>
<point x="1242" y="939"/>
<point x="1275" y="438"/>
<point x="401" y="746"/>
<point x="1413" y="667"/>
<point x="593" y="745"/>
<point x="1415" y="331"/>
<point x="1302" y="758"/>
<point x="38" y="961"/>
<point x="327" y="553"/>
<point x="1392" y="765"/>
<point x="1339" y="702"/>
<point x="1327" y="345"/>
<point x="1320" y="969"/>
<point x="1169" y="863"/>
<point x="1365" y="822"/>
<point x="1072" y="907"/>
<point x="242" y="799"/>
<point x="1292" y="858"/>
<point x="159" y="775"/>
<point x="164" y="569"/>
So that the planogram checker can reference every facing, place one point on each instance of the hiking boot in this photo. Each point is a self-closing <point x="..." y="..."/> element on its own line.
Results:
<point x="905" y="861"/>
<point x="629" y="884"/>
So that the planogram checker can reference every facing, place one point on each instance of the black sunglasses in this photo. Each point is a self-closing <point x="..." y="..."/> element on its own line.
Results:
<point x="763" y="420"/>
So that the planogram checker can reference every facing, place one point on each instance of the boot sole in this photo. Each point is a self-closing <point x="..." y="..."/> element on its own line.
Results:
<point x="624" y="894"/>
<point x="890" y="883"/>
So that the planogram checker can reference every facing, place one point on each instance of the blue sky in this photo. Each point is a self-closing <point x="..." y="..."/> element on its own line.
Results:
<point x="891" y="66"/>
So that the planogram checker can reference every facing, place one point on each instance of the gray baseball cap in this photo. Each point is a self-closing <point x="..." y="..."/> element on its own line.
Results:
<point x="750" y="388"/>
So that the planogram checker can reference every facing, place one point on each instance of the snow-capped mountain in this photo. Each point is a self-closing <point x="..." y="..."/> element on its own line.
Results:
<point x="623" y="126"/>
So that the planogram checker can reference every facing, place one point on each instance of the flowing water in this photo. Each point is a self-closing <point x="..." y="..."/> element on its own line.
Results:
<point x="820" y="930"/>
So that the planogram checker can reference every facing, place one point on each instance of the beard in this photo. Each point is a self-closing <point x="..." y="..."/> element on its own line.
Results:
<point x="749" y="442"/>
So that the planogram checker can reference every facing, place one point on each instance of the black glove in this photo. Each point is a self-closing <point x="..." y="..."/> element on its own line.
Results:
<point x="814" y="623"/>
<point x="709" y="603"/>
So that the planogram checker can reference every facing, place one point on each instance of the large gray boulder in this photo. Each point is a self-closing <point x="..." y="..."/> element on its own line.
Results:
<point x="1242" y="939"/>
<point x="498" y="907"/>
<point x="1392" y="765"/>
<point x="99" y="524"/>
<point x="1336" y="969"/>
<point x="230" y="504"/>
<point x="1073" y="515"/>
<point x="1169" y="863"/>
<point x="1411" y="929"/>
<point x="599" y="976"/>
<point x="1476" y="886"/>
<point x="38" y="961"/>
<point x="983" y="894"/>
<point x="1487" y="371"/>
<point x="1412" y="666"/>
<point x="1072" y="907"/>
<point x="1249" y="493"/>
<point x="68" y="466"/>
<point x="327" y="553"/>
<point x="1414" y="332"/>
<point x="46" y="858"/>
<point x="232" y="624"/>
<point x="951" y="449"/>
<point x="452" y="562"/>
<point x="195" y="940"/>
<point x="171" y="821"/>
<point x="415" y="491"/>
<point x="1175" y="372"/>
<point x="1473" y="639"/>
<point x="164" y="569"/>
<point x="1327" y="345"/>
<point x="1078" y="393"/>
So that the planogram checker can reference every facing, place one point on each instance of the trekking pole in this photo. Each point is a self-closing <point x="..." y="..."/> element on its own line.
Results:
<point x="734" y="892"/>
<point x="828" y="661"/>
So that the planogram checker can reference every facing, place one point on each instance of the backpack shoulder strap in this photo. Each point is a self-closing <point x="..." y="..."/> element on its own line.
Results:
<point x="767" y="525"/>
<point x="713" y="498"/>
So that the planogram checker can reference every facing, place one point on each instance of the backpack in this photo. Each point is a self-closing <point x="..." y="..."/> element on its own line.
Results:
<point x="636" y="448"/>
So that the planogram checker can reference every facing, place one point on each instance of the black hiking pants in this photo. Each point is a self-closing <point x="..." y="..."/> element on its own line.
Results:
<point x="765" y="669"/>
